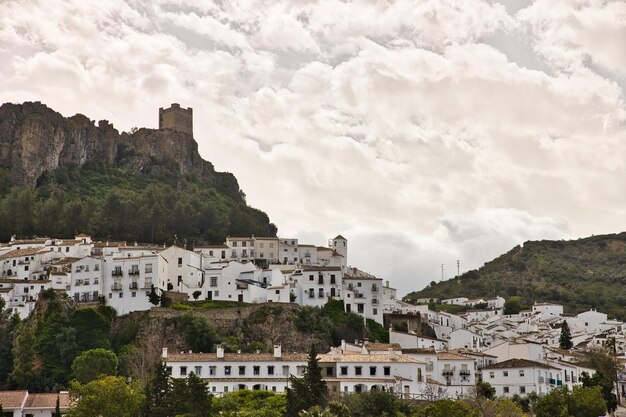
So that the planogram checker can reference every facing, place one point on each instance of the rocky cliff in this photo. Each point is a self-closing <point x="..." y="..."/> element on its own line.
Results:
<point x="35" y="139"/>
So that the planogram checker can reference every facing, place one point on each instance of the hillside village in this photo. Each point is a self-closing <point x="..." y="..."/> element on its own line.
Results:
<point x="517" y="354"/>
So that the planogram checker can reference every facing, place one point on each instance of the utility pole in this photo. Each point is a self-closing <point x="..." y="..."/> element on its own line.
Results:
<point x="458" y="268"/>
<point x="442" y="272"/>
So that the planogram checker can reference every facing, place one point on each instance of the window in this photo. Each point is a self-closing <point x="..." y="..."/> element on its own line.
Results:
<point x="372" y="370"/>
<point x="358" y="370"/>
<point x="285" y="370"/>
<point x="344" y="370"/>
<point x="329" y="371"/>
<point x="261" y="244"/>
<point x="256" y="370"/>
<point x="121" y="295"/>
<point x="242" y="370"/>
<point x="521" y="372"/>
<point x="213" y="281"/>
<point x="212" y="370"/>
<point x="169" y="370"/>
<point x="183" y="371"/>
<point x="270" y="370"/>
<point x="227" y="370"/>
<point x="321" y="293"/>
<point x="271" y="245"/>
<point x="360" y="308"/>
<point x="522" y="390"/>
<point x="505" y="390"/>
<point x="110" y="295"/>
<point x="311" y="277"/>
<point x="96" y="267"/>
<point x="226" y="389"/>
<point x="358" y="284"/>
<point x="234" y="244"/>
<point x="332" y="278"/>
<point x="505" y="373"/>
<point x="133" y="294"/>
<point x="387" y="370"/>
<point x="244" y="253"/>
<point x="180" y="261"/>
<point x="492" y="374"/>
<point x="197" y="370"/>
<point x="244" y="244"/>
<point x="148" y="269"/>
<point x="375" y="311"/>
<point x="210" y="253"/>
<point x="261" y="255"/>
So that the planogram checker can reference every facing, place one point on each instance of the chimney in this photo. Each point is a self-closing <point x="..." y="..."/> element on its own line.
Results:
<point x="335" y="353"/>
<point x="387" y="284"/>
<point x="164" y="354"/>
<point x="220" y="352"/>
<point x="343" y="345"/>
<point x="278" y="351"/>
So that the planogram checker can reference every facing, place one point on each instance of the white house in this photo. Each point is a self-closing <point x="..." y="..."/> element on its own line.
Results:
<point x="363" y="294"/>
<point x="459" y="301"/>
<point x="456" y="373"/>
<point x="411" y="340"/>
<point x="85" y="279"/>
<point x="465" y="339"/>
<point x="23" y="403"/>
<point x="313" y="286"/>
<point x="521" y="377"/>
<point x="548" y="309"/>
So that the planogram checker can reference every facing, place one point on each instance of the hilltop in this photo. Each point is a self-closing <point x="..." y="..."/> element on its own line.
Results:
<point x="62" y="175"/>
<point x="580" y="274"/>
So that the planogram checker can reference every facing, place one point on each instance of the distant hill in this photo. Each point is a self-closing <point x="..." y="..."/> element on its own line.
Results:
<point x="581" y="274"/>
<point x="60" y="176"/>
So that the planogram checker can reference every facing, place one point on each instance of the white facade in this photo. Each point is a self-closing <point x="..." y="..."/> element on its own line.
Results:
<point x="465" y="339"/>
<point x="521" y="377"/>
<point x="414" y="341"/>
<point x="313" y="286"/>
<point x="86" y="279"/>
<point x="548" y="309"/>
<point x="363" y="295"/>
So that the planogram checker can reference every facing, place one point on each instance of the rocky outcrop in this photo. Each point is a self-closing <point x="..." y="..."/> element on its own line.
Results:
<point x="35" y="139"/>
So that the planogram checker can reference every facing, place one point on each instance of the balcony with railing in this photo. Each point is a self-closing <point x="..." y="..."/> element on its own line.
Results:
<point x="375" y="301"/>
<point x="116" y="287"/>
<point x="447" y="372"/>
<point x="541" y="380"/>
<point x="465" y="372"/>
<point x="117" y="273"/>
<point x="133" y="285"/>
<point x="374" y="288"/>
<point x="134" y="272"/>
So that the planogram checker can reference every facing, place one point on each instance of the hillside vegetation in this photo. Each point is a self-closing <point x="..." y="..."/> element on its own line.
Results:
<point x="581" y="274"/>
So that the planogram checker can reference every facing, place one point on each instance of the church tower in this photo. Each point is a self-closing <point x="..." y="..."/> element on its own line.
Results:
<point x="340" y="245"/>
<point x="176" y="118"/>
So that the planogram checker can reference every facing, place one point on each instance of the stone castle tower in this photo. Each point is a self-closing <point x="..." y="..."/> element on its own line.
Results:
<point x="176" y="118"/>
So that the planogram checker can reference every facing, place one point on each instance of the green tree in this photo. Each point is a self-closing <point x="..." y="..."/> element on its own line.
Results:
<point x="308" y="391"/>
<point x="553" y="404"/>
<point x="57" y="408"/>
<point x="25" y="375"/>
<point x="485" y="390"/>
<point x="158" y="390"/>
<point x="586" y="402"/>
<point x="189" y="397"/>
<point x="110" y="396"/>
<point x="507" y="408"/>
<point x="94" y="363"/>
<point x="316" y="411"/>
<point x="603" y="361"/>
<point x="250" y="403"/>
<point x="448" y="408"/>
<point x="565" y="341"/>
<point x="339" y="409"/>
<point x="153" y="297"/>
<point x="513" y="305"/>
<point x="198" y="332"/>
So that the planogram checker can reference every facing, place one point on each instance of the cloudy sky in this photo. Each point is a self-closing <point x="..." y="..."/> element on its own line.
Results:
<point x="423" y="131"/>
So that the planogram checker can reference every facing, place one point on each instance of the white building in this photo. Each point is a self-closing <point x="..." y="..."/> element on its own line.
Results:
<point x="363" y="294"/>
<point x="411" y="340"/>
<point x="23" y="403"/>
<point x="344" y="372"/>
<point x="313" y="286"/>
<point x="85" y="279"/>
<point x="548" y="309"/>
<point x="521" y="377"/>
<point x="465" y="339"/>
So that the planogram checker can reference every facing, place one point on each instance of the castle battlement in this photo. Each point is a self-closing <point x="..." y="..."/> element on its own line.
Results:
<point x="176" y="118"/>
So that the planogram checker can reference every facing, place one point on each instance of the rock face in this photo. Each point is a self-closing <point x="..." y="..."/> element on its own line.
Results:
<point x="35" y="139"/>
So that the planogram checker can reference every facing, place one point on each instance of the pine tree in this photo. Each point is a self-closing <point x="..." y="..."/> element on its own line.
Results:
<point x="157" y="392"/>
<point x="308" y="391"/>
<point x="24" y="375"/>
<point x="565" y="341"/>
<point x="57" y="408"/>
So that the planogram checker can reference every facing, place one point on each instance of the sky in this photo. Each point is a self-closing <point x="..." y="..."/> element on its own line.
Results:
<point x="425" y="132"/>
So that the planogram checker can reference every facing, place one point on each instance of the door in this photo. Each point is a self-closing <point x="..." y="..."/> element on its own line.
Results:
<point x="209" y="295"/>
<point x="240" y="298"/>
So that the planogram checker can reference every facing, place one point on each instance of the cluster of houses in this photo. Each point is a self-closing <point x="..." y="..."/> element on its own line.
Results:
<point x="517" y="354"/>
<point x="244" y="269"/>
<point x="25" y="404"/>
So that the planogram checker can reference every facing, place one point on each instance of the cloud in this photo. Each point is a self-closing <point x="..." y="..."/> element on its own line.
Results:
<point x="425" y="132"/>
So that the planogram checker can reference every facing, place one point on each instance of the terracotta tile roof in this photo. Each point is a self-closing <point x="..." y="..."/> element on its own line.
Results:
<point x="22" y="252"/>
<point x="235" y="357"/>
<point x="82" y="235"/>
<point x="108" y="244"/>
<point x="38" y="241"/>
<point x="361" y="358"/>
<point x="419" y="350"/>
<point x="519" y="363"/>
<point x="449" y="356"/>
<point x="48" y="400"/>
<point x="12" y="399"/>
<point x="470" y="352"/>
<point x="382" y="346"/>
<point x="389" y="380"/>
